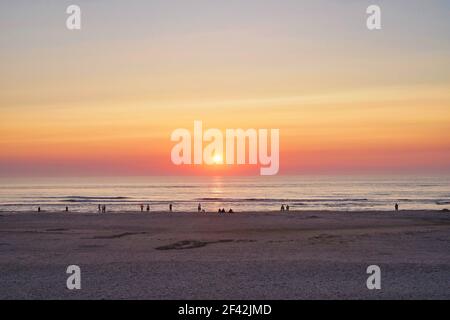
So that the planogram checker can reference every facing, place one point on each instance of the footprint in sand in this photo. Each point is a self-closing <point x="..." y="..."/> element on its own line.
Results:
<point x="189" y="244"/>
<point x="120" y="235"/>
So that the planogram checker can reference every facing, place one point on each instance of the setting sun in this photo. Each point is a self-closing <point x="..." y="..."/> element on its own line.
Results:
<point x="218" y="159"/>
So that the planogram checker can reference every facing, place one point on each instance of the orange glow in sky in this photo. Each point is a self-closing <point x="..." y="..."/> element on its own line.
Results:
<point x="105" y="100"/>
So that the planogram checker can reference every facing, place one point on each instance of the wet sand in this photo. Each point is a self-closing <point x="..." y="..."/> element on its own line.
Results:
<point x="161" y="255"/>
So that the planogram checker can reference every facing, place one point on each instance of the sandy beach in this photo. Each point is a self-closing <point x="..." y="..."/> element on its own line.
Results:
<point x="272" y="255"/>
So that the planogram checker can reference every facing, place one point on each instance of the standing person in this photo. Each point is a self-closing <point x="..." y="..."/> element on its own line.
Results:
<point x="148" y="208"/>
<point x="99" y="208"/>
<point x="104" y="209"/>
<point x="396" y="207"/>
<point x="39" y="209"/>
<point x="199" y="208"/>
<point x="282" y="207"/>
<point x="287" y="207"/>
<point x="67" y="209"/>
<point x="170" y="207"/>
<point x="142" y="208"/>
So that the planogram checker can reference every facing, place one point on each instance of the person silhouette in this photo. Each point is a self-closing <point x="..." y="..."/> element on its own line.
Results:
<point x="396" y="207"/>
<point x="230" y="211"/>
<point x="199" y="208"/>
<point x="67" y="209"/>
<point x="148" y="208"/>
<point x="99" y="208"/>
<point x="39" y="209"/>
<point x="170" y="207"/>
<point x="142" y="208"/>
<point x="287" y="207"/>
<point x="282" y="207"/>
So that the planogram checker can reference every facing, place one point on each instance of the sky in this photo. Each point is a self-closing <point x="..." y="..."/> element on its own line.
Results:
<point x="104" y="100"/>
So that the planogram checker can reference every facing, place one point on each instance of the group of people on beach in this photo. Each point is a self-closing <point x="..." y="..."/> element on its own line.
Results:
<point x="284" y="207"/>
<point x="148" y="207"/>
<point x="221" y="210"/>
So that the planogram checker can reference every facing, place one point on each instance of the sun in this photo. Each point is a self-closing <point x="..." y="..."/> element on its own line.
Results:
<point x="218" y="159"/>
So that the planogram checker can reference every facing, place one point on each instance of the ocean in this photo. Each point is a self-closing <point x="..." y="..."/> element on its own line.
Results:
<point x="259" y="193"/>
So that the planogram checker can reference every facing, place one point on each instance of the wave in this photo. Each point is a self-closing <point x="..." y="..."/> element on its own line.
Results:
<point x="214" y="199"/>
<point x="88" y="197"/>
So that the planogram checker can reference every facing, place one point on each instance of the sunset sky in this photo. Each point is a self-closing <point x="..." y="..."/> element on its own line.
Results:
<point x="104" y="100"/>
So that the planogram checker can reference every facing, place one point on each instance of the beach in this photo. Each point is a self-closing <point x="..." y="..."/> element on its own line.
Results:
<point x="252" y="255"/>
